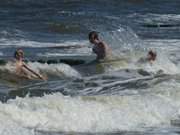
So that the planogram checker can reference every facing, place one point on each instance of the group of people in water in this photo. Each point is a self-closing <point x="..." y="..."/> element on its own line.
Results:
<point x="100" y="48"/>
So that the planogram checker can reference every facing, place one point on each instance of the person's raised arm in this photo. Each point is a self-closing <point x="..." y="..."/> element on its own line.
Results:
<point x="36" y="74"/>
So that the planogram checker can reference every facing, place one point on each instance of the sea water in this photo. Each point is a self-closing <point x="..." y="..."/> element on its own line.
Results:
<point x="120" y="96"/>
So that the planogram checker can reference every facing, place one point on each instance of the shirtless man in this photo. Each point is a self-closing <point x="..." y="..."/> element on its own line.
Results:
<point x="100" y="48"/>
<point x="22" y="69"/>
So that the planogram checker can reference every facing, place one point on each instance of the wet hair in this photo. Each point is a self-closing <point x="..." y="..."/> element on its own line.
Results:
<point x="18" y="53"/>
<point x="94" y="35"/>
<point x="152" y="54"/>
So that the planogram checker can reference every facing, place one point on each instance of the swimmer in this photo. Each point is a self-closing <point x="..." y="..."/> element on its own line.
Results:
<point x="151" y="57"/>
<point x="100" y="48"/>
<point x="22" y="69"/>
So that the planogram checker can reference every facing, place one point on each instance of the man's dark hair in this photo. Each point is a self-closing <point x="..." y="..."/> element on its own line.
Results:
<point x="93" y="34"/>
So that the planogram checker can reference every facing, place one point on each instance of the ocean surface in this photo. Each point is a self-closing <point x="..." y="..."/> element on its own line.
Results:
<point x="81" y="97"/>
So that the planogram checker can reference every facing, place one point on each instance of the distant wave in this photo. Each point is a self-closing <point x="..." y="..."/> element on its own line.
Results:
<point x="157" y="20"/>
<point x="30" y="43"/>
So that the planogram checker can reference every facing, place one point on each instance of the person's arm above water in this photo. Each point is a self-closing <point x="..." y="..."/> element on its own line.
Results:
<point x="36" y="74"/>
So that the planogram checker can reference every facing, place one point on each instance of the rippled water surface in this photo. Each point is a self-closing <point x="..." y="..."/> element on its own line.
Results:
<point x="120" y="96"/>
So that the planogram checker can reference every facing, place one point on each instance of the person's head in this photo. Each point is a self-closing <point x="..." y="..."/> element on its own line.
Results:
<point x="93" y="36"/>
<point x="152" y="55"/>
<point x="19" y="54"/>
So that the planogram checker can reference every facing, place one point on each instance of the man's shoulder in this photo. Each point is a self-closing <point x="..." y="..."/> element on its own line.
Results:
<point x="102" y="44"/>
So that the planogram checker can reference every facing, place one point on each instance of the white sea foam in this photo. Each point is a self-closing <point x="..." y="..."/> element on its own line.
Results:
<point x="163" y="44"/>
<point x="162" y="63"/>
<point x="29" y="43"/>
<point x="62" y="54"/>
<point x="92" y="114"/>
<point x="122" y="39"/>
<point x="130" y="60"/>
<point x="58" y="70"/>
<point x="61" y="70"/>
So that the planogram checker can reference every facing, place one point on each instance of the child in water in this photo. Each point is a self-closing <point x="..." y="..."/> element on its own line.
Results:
<point x="100" y="48"/>
<point x="151" y="57"/>
<point x="22" y="69"/>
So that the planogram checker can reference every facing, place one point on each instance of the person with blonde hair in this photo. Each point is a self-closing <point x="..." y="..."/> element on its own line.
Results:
<point x="22" y="69"/>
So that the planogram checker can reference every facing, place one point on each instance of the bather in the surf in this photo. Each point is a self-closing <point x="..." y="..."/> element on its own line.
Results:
<point x="22" y="69"/>
<point x="100" y="48"/>
<point x="151" y="57"/>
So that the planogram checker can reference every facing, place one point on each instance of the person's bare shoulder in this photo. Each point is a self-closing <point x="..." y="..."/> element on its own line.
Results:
<point x="102" y="45"/>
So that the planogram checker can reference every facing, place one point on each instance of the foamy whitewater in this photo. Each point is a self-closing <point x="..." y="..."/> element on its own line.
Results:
<point x="123" y="95"/>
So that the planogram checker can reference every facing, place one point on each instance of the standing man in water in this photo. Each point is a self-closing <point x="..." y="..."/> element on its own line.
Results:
<point x="22" y="69"/>
<point x="100" y="48"/>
